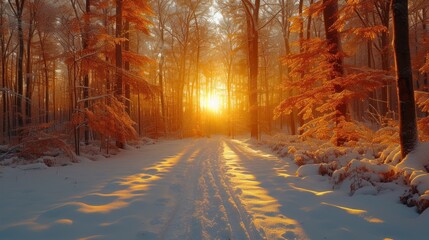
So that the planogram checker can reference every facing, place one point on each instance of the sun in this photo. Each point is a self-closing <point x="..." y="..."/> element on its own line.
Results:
<point x="211" y="103"/>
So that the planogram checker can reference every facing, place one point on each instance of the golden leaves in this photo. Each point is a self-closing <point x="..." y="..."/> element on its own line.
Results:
<point x="111" y="120"/>
<point x="368" y="32"/>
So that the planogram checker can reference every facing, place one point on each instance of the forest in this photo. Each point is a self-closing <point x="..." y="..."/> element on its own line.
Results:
<point x="214" y="117"/>
<point x="186" y="68"/>
<point x="101" y="70"/>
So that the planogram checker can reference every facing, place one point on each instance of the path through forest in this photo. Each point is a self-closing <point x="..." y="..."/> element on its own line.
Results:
<point x="207" y="188"/>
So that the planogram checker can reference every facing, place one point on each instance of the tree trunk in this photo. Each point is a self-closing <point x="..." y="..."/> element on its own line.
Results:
<point x="309" y="22"/>
<point x="118" y="51"/>
<point x="161" y="81"/>
<point x="46" y="73"/>
<point x="54" y="89"/>
<point x="161" y="27"/>
<point x="228" y="86"/>
<point x="407" y="111"/>
<point x="18" y="10"/>
<point x="330" y="16"/>
<point x="385" y="58"/>
<point x="28" y="77"/>
<point x="118" y="57"/>
<point x="286" y="32"/>
<point x="197" y="78"/>
<point x="127" y="68"/>
<point x="252" y="16"/>
<point x="4" y="96"/>
<point x="85" y="44"/>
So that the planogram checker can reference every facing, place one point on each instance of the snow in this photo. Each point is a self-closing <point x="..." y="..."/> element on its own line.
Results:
<point x="308" y="170"/>
<point x="414" y="167"/>
<point x="417" y="159"/>
<point x="207" y="188"/>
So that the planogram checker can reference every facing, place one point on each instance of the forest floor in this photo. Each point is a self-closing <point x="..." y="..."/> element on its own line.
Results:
<point x="206" y="188"/>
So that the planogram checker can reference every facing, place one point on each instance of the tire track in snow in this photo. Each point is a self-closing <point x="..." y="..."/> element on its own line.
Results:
<point x="206" y="208"/>
<point x="261" y="206"/>
<point x="177" y="225"/>
<point x="222" y="216"/>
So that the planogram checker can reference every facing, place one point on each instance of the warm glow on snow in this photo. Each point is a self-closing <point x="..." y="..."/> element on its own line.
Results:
<point x="64" y="221"/>
<point x="258" y="201"/>
<point x="354" y="211"/>
<point x="133" y="186"/>
<point x="308" y="190"/>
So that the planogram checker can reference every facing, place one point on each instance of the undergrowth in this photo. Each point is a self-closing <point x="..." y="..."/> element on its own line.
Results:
<point x="368" y="166"/>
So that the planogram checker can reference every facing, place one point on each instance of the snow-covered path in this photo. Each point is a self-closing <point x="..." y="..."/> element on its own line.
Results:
<point x="208" y="188"/>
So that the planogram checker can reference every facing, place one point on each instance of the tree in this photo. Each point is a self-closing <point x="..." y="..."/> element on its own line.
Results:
<point x="285" y="14"/>
<point x="407" y="112"/>
<point x="330" y="16"/>
<point x="161" y="8"/>
<point x="18" y="10"/>
<point x="229" y="46"/>
<point x="85" y="44"/>
<point x="118" y="58"/>
<point x="45" y="26"/>
<point x="324" y="90"/>
<point x="118" y="51"/>
<point x="6" y="35"/>
<point x="183" y="27"/>
<point x="252" y="18"/>
<point x="28" y="78"/>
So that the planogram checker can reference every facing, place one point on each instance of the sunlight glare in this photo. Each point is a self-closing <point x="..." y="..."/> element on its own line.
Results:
<point x="211" y="103"/>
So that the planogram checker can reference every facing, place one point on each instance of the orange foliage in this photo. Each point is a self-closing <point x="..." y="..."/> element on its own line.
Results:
<point x="314" y="83"/>
<point x="368" y="32"/>
<point x="425" y="67"/>
<point x="422" y="101"/>
<point x="316" y="91"/>
<point x="111" y="120"/>
<point x="137" y="12"/>
<point x="37" y="143"/>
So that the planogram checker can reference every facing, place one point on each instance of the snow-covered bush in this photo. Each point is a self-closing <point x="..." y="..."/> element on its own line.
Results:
<point x="365" y="166"/>
<point x="414" y="169"/>
<point x="34" y="147"/>
<point x="38" y="144"/>
<point x="362" y="173"/>
<point x="422" y="101"/>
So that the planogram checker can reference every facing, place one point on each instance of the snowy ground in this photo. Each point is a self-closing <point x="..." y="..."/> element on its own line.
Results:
<point x="208" y="188"/>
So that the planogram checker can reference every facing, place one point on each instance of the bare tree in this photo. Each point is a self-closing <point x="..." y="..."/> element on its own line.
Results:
<point x="161" y="8"/>
<point x="6" y="49"/>
<point x="18" y="9"/>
